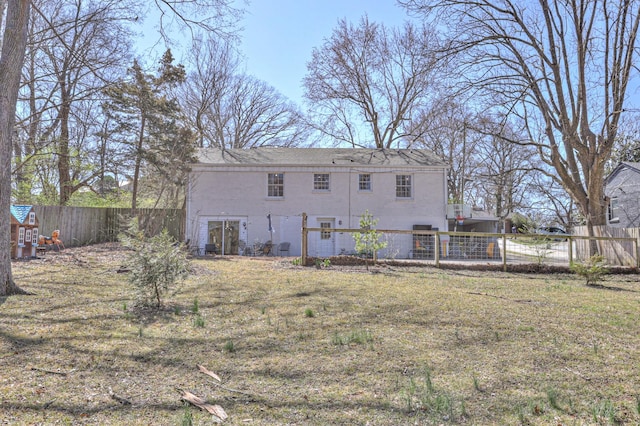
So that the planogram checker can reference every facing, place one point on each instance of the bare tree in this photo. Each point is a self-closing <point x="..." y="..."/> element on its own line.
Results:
<point x="562" y="67"/>
<point x="504" y="178"/>
<point x="14" y="43"/>
<point x="366" y="82"/>
<point x="448" y="131"/>
<point x="14" y="29"/>
<point x="230" y="109"/>
<point x="77" y="51"/>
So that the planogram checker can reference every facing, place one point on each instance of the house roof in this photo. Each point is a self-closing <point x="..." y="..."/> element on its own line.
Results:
<point x="623" y="165"/>
<point x="20" y="213"/>
<point x="320" y="157"/>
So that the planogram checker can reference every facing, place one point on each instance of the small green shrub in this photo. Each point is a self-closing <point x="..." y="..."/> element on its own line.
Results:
<point x="367" y="241"/>
<point x="322" y="263"/>
<point x="309" y="313"/>
<point x="592" y="271"/>
<point x="156" y="264"/>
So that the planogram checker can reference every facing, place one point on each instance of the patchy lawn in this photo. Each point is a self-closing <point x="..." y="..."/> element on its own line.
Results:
<point x="338" y="345"/>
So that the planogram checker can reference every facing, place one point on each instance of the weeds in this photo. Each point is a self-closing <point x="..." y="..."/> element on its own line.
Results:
<point x="229" y="346"/>
<point x="476" y="383"/>
<point x="604" y="411"/>
<point x="592" y="271"/>
<point x="552" y="397"/>
<point x="422" y="396"/>
<point x="309" y="313"/>
<point x="198" y="321"/>
<point x="358" y="337"/>
<point x="187" y="416"/>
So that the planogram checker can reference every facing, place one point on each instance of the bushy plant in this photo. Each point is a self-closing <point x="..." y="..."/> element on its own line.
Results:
<point x="156" y="264"/>
<point x="593" y="270"/>
<point x="368" y="239"/>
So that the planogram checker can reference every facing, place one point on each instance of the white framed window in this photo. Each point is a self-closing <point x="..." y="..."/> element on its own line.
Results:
<point x="364" y="182"/>
<point x="20" y="236"/>
<point x="325" y="235"/>
<point x="614" y="206"/>
<point x="34" y="236"/>
<point x="275" y="185"/>
<point x="321" y="182"/>
<point x="403" y="186"/>
<point x="27" y="236"/>
<point x="32" y="218"/>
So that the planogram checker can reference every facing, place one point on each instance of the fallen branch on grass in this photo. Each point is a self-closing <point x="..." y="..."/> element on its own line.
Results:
<point x="215" y="410"/>
<point x="209" y="373"/>
<point x="60" y="373"/>
<point x="221" y="386"/>
<point x="121" y="400"/>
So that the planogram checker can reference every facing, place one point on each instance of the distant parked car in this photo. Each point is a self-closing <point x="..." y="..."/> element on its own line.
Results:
<point x="553" y="231"/>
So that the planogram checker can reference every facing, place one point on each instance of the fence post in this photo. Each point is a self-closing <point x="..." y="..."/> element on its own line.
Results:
<point x="303" y="256"/>
<point x="436" y="247"/>
<point x="570" y="250"/>
<point x="504" y="251"/>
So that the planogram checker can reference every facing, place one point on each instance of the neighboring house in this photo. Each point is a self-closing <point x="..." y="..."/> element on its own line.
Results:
<point x="465" y="218"/>
<point x="622" y="189"/>
<point x="24" y="232"/>
<point x="239" y="197"/>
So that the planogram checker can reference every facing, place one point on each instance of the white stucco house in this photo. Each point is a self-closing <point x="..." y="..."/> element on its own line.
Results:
<point x="237" y="198"/>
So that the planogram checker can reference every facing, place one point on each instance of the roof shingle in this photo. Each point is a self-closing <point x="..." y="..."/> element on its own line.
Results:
<point x="320" y="156"/>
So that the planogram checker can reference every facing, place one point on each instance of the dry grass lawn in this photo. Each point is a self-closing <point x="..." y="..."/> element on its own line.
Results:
<point x="339" y="345"/>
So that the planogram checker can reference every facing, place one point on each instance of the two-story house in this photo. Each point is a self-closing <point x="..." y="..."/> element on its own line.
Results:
<point x="238" y="197"/>
<point x="622" y="189"/>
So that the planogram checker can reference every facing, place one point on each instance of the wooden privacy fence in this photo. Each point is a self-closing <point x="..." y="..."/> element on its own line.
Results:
<point x="90" y="225"/>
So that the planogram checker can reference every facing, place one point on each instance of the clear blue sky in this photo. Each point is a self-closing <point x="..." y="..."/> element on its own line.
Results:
<point x="279" y="35"/>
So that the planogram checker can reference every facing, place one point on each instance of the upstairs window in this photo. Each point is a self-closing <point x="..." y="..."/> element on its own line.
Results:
<point x="32" y="218"/>
<point x="321" y="182"/>
<point x="364" y="182"/>
<point x="403" y="186"/>
<point x="275" y="185"/>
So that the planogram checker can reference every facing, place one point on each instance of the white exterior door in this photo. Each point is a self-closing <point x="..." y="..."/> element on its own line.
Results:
<point x="326" y="239"/>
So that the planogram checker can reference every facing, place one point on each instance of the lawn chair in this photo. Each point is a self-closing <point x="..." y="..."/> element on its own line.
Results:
<point x="210" y="248"/>
<point x="284" y="247"/>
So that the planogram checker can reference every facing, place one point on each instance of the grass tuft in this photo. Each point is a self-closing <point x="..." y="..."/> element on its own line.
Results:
<point x="229" y="346"/>
<point x="198" y="321"/>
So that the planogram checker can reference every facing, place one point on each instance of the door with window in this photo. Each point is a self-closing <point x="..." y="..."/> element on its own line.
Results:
<point x="326" y="243"/>
<point x="225" y="234"/>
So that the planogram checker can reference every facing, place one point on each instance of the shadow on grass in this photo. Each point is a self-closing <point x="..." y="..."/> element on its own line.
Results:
<point x="611" y="288"/>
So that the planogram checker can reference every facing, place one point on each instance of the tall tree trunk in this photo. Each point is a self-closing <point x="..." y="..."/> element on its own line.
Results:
<point x="136" y="171"/>
<point x="14" y="46"/>
<point x="64" y="167"/>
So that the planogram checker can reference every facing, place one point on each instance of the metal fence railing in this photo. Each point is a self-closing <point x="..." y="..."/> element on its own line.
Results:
<point x="438" y="247"/>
